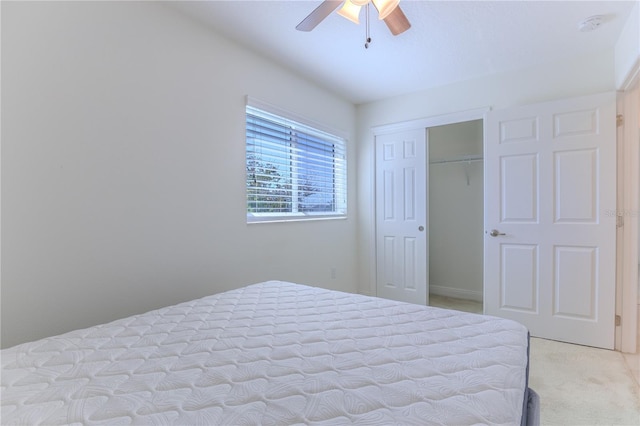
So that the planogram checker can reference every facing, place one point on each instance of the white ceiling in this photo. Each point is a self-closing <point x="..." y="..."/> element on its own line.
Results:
<point x="449" y="41"/>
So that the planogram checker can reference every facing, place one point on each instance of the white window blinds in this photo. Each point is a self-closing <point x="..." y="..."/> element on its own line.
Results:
<point x="294" y="171"/>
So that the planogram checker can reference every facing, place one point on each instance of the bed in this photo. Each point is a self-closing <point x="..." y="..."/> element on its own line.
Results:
<point x="276" y="353"/>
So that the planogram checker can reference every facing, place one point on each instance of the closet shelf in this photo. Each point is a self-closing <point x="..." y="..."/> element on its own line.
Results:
<point x="460" y="159"/>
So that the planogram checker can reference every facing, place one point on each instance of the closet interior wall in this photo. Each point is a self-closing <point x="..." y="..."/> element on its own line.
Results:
<point x="455" y="196"/>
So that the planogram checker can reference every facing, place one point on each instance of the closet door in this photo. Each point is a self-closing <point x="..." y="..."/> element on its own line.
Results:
<point x="550" y="221"/>
<point x="401" y="216"/>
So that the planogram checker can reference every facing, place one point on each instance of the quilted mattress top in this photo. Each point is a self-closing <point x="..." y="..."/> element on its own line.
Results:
<point x="274" y="353"/>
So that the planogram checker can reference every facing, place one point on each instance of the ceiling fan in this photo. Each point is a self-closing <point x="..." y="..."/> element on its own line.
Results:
<point x="388" y="10"/>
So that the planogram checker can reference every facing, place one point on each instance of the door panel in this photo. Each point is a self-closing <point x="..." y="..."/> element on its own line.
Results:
<point x="519" y="277"/>
<point x="519" y="188"/>
<point x="401" y="247"/>
<point x="550" y="179"/>
<point x="576" y="203"/>
<point x="575" y="267"/>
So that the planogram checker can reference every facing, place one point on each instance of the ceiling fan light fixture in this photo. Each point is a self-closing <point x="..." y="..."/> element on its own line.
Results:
<point x="351" y="11"/>
<point x="385" y="7"/>
<point x="388" y="10"/>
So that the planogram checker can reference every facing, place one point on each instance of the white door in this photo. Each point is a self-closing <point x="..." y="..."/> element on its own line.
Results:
<point x="401" y="216"/>
<point x="550" y="225"/>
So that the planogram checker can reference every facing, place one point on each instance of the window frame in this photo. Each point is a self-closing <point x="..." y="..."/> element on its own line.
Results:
<point x="287" y="119"/>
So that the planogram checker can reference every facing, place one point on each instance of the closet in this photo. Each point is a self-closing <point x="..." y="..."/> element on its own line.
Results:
<point x="539" y="179"/>
<point x="455" y="206"/>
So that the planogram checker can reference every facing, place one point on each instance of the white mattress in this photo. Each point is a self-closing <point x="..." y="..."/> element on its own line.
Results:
<point x="274" y="353"/>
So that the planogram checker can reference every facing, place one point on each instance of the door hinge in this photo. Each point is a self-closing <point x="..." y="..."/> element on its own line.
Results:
<point x="618" y="320"/>
<point x="619" y="120"/>
<point x="619" y="221"/>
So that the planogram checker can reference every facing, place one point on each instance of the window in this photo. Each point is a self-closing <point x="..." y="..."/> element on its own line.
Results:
<point x="294" y="171"/>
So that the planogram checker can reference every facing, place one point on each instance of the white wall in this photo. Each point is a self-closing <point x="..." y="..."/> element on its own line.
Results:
<point x="123" y="167"/>
<point x="627" y="65"/>
<point x="456" y="230"/>
<point x="571" y="77"/>
<point x="627" y="50"/>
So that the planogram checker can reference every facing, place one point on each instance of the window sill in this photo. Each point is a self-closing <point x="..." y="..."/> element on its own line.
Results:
<point x="283" y="219"/>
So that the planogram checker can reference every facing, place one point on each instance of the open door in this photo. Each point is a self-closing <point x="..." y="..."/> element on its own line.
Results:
<point x="550" y="221"/>
<point x="401" y="216"/>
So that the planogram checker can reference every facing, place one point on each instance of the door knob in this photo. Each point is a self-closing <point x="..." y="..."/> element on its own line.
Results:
<point x="420" y="228"/>
<point x="495" y="233"/>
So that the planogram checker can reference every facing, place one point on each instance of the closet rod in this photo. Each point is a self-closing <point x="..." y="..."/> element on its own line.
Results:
<point x="460" y="160"/>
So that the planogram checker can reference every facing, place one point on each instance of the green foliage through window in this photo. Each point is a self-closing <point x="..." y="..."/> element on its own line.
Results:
<point x="293" y="170"/>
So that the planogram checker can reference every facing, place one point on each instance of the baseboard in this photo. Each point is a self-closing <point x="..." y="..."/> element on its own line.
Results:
<point x="457" y="293"/>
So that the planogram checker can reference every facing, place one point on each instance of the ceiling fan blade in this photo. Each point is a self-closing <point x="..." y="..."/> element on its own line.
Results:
<point x="397" y="21"/>
<point x="318" y="14"/>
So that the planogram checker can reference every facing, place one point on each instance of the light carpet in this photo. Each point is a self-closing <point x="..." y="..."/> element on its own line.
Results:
<point x="578" y="385"/>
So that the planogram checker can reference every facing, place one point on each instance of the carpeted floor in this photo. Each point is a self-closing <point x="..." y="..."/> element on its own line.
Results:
<point x="578" y="385"/>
